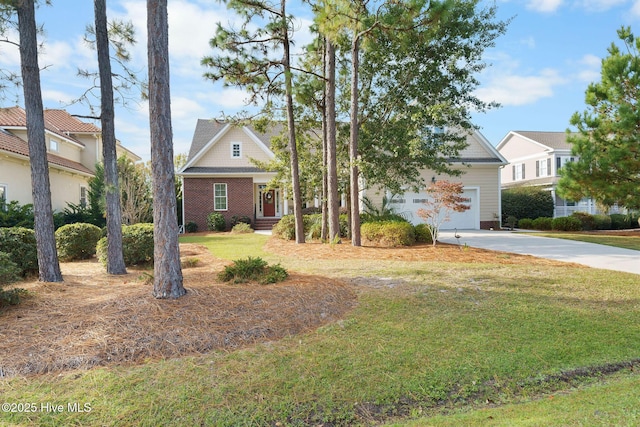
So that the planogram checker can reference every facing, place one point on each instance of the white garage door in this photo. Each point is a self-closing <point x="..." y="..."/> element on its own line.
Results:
<point x="409" y="203"/>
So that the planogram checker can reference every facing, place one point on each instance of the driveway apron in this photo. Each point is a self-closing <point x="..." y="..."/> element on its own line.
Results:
<point x="590" y="254"/>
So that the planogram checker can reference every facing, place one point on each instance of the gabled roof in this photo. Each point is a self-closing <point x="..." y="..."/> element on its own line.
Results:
<point x="550" y="140"/>
<point x="12" y="144"/>
<point x="58" y="122"/>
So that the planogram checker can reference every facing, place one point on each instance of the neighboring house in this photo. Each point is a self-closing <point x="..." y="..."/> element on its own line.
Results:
<point x="535" y="159"/>
<point x="220" y="177"/>
<point x="480" y="163"/>
<point x="73" y="149"/>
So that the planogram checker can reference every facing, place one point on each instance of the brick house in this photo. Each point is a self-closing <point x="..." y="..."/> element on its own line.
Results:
<point x="220" y="177"/>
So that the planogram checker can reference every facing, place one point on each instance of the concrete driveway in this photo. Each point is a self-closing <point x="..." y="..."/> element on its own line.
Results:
<point x="590" y="254"/>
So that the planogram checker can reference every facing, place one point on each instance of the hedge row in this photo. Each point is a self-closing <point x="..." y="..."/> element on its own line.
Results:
<point x="581" y="221"/>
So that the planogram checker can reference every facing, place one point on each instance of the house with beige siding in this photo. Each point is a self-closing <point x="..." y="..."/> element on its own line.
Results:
<point x="219" y="176"/>
<point x="73" y="149"/>
<point x="480" y="164"/>
<point x="536" y="159"/>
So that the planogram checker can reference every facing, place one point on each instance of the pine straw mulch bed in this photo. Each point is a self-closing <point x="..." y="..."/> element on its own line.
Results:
<point x="442" y="252"/>
<point x="94" y="319"/>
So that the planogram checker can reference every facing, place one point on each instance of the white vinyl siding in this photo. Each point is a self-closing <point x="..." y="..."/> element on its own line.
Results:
<point x="220" y="197"/>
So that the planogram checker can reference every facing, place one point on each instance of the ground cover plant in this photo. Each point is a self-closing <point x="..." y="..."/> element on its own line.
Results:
<point x="434" y="330"/>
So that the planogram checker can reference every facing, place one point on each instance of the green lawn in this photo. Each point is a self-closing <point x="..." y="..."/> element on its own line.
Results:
<point x="627" y="242"/>
<point x="447" y="340"/>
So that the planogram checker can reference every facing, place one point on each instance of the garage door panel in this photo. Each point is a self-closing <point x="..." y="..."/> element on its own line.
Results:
<point x="409" y="204"/>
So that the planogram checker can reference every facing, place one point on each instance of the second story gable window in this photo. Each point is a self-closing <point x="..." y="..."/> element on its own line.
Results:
<point x="561" y="161"/>
<point x="83" y="197"/>
<point x="236" y="150"/>
<point x="518" y="172"/>
<point x="543" y="167"/>
<point x="53" y="145"/>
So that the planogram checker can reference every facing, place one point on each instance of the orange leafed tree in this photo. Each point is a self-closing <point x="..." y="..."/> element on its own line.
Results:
<point x="444" y="198"/>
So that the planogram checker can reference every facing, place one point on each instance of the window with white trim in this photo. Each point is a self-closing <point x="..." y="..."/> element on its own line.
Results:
<point x="236" y="150"/>
<point x="543" y="167"/>
<point x="561" y="161"/>
<point x="518" y="172"/>
<point x="220" y="197"/>
<point x="53" y="145"/>
<point x="83" y="196"/>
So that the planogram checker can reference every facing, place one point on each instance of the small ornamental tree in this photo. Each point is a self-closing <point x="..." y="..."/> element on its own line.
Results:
<point x="444" y="198"/>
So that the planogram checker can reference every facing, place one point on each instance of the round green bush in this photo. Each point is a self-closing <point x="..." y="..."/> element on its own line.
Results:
<point x="137" y="245"/>
<point x="20" y="244"/>
<point x="423" y="235"/>
<point x="285" y="228"/>
<point x="389" y="233"/>
<point x="542" y="223"/>
<point x="566" y="223"/>
<point x="253" y="270"/>
<point x="191" y="227"/>
<point x="620" y="222"/>
<point x="526" y="202"/>
<point x="525" y="223"/>
<point x="216" y="222"/>
<point x="587" y="220"/>
<point x="602" y="222"/>
<point x="77" y="241"/>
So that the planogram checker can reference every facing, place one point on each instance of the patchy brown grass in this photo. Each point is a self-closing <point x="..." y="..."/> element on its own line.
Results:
<point x="95" y="319"/>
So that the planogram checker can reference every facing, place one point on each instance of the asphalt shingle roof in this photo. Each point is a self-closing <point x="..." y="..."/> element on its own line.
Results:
<point x="555" y="140"/>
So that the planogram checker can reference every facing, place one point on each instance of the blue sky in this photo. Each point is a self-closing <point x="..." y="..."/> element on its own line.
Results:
<point x="539" y="69"/>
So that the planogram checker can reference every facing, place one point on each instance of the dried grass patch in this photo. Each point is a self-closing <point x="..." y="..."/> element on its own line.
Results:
<point x="94" y="319"/>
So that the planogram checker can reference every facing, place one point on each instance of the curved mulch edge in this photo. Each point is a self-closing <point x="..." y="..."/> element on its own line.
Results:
<point x="94" y="319"/>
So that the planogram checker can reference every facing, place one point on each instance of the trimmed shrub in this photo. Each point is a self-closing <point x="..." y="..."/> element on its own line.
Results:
<point x="9" y="271"/>
<point x="602" y="222"/>
<point x="77" y="241"/>
<point x="389" y="233"/>
<point x="14" y="215"/>
<point x="285" y="228"/>
<point x="242" y="228"/>
<point x="137" y="245"/>
<point x="239" y="219"/>
<point x="422" y="233"/>
<point x="526" y="223"/>
<point x="216" y="222"/>
<point x="20" y="244"/>
<point x="191" y="227"/>
<point x="620" y="222"/>
<point x="587" y="220"/>
<point x="566" y="223"/>
<point x="542" y="223"/>
<point x="526" y="202"/>
<point x="253" y="270"/>
<point x="512" y="221"/>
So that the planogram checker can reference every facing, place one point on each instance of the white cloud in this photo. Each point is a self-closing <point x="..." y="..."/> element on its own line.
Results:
<point x="635" y="9"/>
<point x="514" y="90"/>
<point x="182" y="107"/>
<point x="589" y="68"/>
<point x="600" y="5"/>
<point x="56" y="96"/>
<point x="544" y="6"/>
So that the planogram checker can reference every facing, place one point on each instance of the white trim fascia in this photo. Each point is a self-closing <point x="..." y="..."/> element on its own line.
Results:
<point x="258" y="142"/>
<point x="487" y="146"/>
<point x="51" y="164"/>
<point x="503" y="142"/>
<point x="207" y="147"/>
<point x="47" y="132"/>
<point x="538" y="156"/>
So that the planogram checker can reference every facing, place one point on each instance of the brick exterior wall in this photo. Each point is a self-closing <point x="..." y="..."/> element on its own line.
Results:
<point x="198" y="199"/>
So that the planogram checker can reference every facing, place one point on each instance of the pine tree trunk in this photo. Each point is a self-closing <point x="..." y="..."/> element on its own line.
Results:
<point x="293" y="149"/>
<point x="115" y="259"/>
<point x="353" y="146"/>
<point x="332" y="168"/>
<point x="48" y="264"/>
<point x="167" y="271"/>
